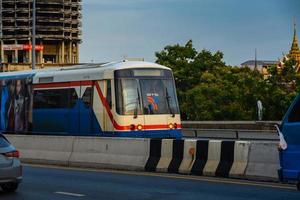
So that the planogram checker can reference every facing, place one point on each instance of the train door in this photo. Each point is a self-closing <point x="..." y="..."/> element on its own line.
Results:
<point x="108" y="97"/>
<point x="102" y="105"/>
<point x="85" y="104"/>
<point x="289" y="156"/>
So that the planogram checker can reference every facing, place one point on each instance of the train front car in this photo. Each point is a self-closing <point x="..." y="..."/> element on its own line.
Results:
<point x="124" y="99"/>
<point x="145" y="100"/>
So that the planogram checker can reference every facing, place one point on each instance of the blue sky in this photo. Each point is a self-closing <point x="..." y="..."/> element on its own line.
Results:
<point x="114" y="29"/>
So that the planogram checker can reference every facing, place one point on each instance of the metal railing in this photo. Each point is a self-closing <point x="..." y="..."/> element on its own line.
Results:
<point x="231" y="134"/>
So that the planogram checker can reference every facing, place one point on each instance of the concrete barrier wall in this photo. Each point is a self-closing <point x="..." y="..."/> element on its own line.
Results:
<point x="113" y="153"/>
<point x="263" y="161"/>
<point x="213" y="159"/>
<point x="166" y="155"/>
<point x="238" y="159"/>
<point x="241" y="155"/>
<point x="43" y="149"/>
<point x="188" y="156"/>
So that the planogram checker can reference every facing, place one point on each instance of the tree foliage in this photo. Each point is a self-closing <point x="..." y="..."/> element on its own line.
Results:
<point x="208" y="89"/>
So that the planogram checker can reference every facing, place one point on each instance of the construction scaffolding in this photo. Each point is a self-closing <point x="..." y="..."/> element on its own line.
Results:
<point x="58" y="31"/>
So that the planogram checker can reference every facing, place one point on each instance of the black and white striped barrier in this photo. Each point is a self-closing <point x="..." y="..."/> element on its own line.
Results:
<point x="199" y="157"/>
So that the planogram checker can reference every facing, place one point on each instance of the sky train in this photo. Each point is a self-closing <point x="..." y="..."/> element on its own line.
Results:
<point x="123" y="99"/>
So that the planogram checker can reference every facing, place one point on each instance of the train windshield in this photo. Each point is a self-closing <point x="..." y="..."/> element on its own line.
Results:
<point x="141" y="93"/>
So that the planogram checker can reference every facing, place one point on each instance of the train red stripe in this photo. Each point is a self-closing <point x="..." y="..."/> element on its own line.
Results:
<point x="103" y="100"/>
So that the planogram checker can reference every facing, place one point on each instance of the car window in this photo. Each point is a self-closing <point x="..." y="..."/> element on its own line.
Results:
<point x="294" y="115"/>
<point x="3" y="142"/>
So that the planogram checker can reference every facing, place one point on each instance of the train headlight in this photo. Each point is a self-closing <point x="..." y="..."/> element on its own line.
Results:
<point x="171" y="126"/>
<point x="139" y="127"/>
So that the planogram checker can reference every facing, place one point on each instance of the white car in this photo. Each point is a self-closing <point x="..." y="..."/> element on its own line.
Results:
<point x="10" y="166"/>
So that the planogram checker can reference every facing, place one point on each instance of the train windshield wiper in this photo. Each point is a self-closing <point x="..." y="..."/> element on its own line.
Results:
<point x="168" y="103"/>
<point x="137" y="103"/>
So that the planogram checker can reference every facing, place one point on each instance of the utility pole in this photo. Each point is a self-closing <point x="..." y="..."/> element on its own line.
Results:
<point x="33" y="32"/>
<point x="255" y="64"/>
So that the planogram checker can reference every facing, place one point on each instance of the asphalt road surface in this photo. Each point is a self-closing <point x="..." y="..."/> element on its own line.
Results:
<point x="77" y="184"/>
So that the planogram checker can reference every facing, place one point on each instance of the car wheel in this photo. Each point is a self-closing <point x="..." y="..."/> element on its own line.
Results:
<point x="9" y="187"/>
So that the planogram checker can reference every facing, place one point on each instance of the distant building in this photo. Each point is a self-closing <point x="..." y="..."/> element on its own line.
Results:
<point x="58" y="31"/>
<point x="260" y="65"/>
<point x="294" y="53"/>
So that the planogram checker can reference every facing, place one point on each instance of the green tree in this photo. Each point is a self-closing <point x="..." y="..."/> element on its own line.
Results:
<point x="228" y="93"/>
<point x="280" y="89"/>
<point x="188" y="65"/>
<point x="208" y="89"/>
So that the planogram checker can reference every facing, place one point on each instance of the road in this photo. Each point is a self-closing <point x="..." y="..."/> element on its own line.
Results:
<point x="71" y="184"/>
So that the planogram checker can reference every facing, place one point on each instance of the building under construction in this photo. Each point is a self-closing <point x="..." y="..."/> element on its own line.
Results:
<point x="58" y="31"/>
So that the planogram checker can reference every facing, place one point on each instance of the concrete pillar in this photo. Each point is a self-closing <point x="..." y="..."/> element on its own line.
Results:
<point x="29" y="53"/>
<point x="2" y="51"/>
<point x="74" y="53"/>
<point x="38" y="57"/>
<point x="58" y="53"/>
<point x="77" y="53"/>
<point x="70" y="53"/>
<point x="29" y="56"/>
<point x="41" y="54"/>
<point x="16" y="54"/>
<point x="63" y="52"/>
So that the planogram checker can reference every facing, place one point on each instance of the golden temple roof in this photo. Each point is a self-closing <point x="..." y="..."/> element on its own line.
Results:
<point x="295" y="51"/>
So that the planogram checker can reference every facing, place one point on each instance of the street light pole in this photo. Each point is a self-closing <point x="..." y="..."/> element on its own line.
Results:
<point x="33" y="32"/>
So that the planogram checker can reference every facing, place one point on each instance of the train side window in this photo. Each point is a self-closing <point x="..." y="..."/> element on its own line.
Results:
<point x="87" y="97"/>
<point x="294" y="115"/>
<point x="108" y="93"/>
<point x="54" y="98"/>
<point x="73" y="97"/>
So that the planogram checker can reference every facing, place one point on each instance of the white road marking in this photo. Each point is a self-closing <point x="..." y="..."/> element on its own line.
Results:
<point x="70" y="194"/>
